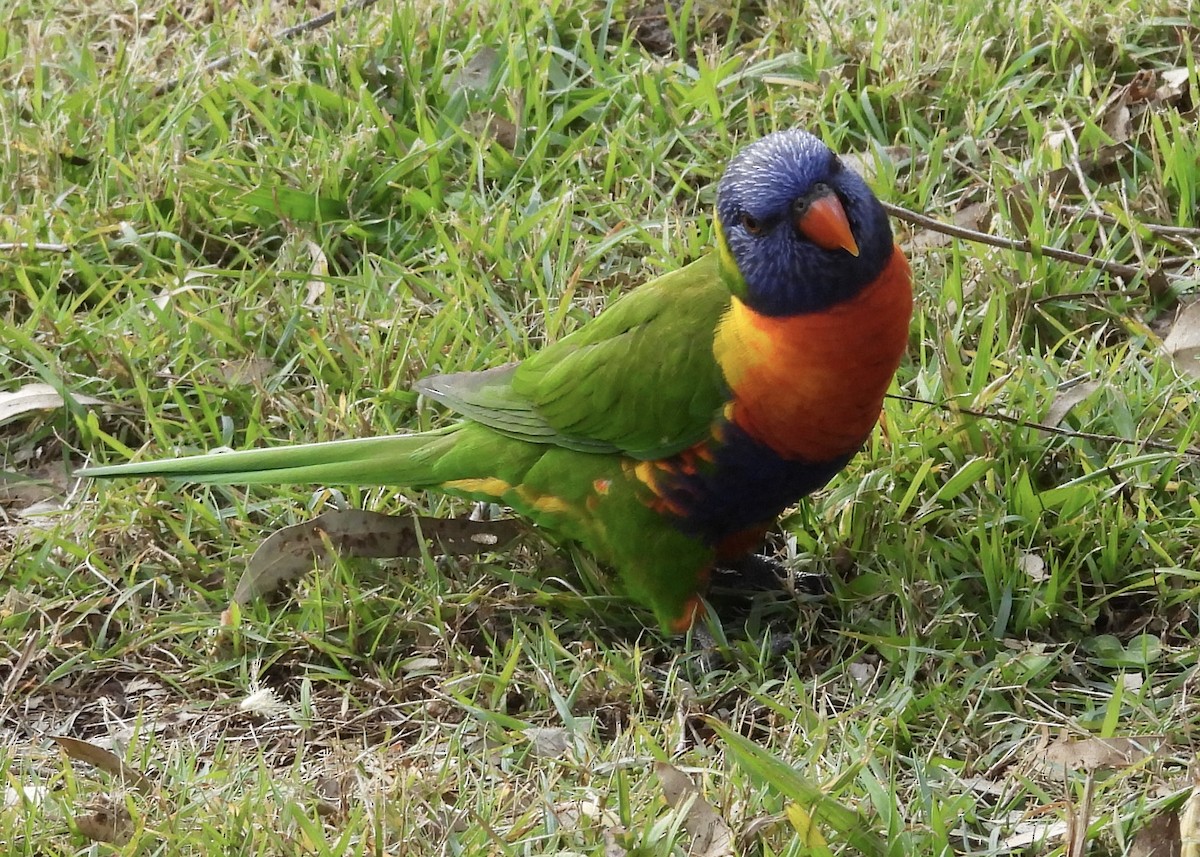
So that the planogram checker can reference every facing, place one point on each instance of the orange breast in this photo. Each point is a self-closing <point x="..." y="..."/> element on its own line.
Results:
<point x="811" y="386"/>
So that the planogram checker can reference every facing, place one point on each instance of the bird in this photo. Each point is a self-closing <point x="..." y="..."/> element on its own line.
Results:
<point x="668" y="433"/>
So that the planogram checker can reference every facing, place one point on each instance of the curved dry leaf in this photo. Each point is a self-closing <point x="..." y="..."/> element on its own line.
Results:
<point x="974" y="216"/>
<point x="1033" y="566"/>
<point x="1189" y="826"/>
<point x="711" y="836"/>
<point x="1066" y="400"/>
<point x="288" y="553"/>
<point x="317" y="273"/>
<point x="37" y="397"/>
<point x="105" y="820"/>
<point x="475" y="73"/>
<point x="550" y="742"/>
<point x="105" y="760"/>
<point x="1182" y="344"/>
<point x="1091" y="754"/>
<point x="1157" y="838"/>
<point x="245" y="371"/>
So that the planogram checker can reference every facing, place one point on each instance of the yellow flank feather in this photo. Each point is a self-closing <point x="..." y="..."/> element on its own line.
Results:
<point x="489" y="486"/>
<point x="546" y="503"/>
<point x="644" y="471"/>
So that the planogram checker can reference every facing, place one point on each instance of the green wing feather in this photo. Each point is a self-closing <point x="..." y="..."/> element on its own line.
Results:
<point x="639" y="379"/>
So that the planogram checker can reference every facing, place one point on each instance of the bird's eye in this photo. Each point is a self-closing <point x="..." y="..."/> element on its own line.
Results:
<point x="751" y="224"/>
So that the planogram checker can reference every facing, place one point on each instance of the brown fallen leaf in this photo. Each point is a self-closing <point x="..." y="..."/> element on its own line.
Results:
<point x="486" y="123"/>
<point x="292" y="551"/>
<point x="317" y="272"/>
<point x="1182" y="344"/>
<point x="710" y="835"/>
<point x="1041" y="832"/>
<point x="973" y="216"/>
<point x="105" y="760"/>
<point x="1158" y="838"/>
<point x="867" y="164"/>
<point x="1065" y="400"/>
<point x="245" y="372"/>
<point x="1091" y="754"/>
<point x="475" y="73"/>
<point x="105" y="820"/>
<point x="1033" y="566"/>
<point x="1189" y="825"/>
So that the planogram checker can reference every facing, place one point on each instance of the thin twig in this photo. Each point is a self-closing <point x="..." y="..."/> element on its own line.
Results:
<point x="1152" y="228"/>
<point x="284" y="34"/>
<point x="1085" y="435"/>
<point x="1127" y="272"/>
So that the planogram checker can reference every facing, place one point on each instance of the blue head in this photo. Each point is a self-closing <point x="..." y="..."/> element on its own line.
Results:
<point x="804" y="231"/>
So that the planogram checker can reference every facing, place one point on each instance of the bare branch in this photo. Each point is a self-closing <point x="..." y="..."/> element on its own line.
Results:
<point x="1084" y="435"/>
<point x="1152" y="228"/>
<point x="1126" y="272"/>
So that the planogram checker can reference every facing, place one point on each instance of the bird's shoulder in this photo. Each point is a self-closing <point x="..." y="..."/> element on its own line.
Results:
<point x="639" y="379"/>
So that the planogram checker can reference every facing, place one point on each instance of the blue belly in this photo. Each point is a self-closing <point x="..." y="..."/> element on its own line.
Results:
<point x="744" y="486"/>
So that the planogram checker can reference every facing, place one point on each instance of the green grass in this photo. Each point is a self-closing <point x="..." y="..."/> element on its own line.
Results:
<point x="280" y="250"/>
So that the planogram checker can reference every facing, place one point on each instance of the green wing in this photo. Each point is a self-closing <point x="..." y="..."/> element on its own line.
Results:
<point x="639" y="379"/>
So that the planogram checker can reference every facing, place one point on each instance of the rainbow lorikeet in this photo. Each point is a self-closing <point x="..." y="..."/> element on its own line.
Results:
<point x="667" y="434"/>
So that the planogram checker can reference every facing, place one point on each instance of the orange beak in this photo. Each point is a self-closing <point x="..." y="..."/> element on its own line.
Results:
<point x="823" y="221"/>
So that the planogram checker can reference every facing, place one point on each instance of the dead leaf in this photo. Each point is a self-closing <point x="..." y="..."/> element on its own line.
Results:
<point x="105" y="820"/>
<point x="1091" y="754"/>
<point x="1189" y="826"/>
<point x="549" y="742"/>
<point x="38" y="397"/>
<point x="246" y="372"/>
<point x="485" y="123"/>
<point x="612" y="845"/>
<point x="1041" y="832"/>
<point x="292" y="551"/>
<point x="1174" y="85"/>
<point x="711" y="836"/>
<point x="317" y="272"/>
<point x="974" y="216"/>
<point x="1033" y="566"/>
<point x="1182" y="344"/>
<point x="105" y="760"/>
<point x="475" y="72"/>
<point x="1158" y="838"/>
<point x="27" y="796"/>
<point x="1065" y="400"/>
<point x="867" y="164"/>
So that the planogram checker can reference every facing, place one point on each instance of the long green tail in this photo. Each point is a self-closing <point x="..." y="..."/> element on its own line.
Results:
<point x="413" y="460"/>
